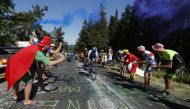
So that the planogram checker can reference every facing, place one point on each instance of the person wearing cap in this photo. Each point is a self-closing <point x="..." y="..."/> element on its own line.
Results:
<point x="52" y="51"/>
<point x="39" y="66"/>
<point x="150" y="60"/>
<point x="18" y="67"/>
<point x="131" y="58"/>
<point x="172" y="62"/>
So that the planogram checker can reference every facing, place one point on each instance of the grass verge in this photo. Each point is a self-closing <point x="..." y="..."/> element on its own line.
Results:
<point x="179" y="89"/>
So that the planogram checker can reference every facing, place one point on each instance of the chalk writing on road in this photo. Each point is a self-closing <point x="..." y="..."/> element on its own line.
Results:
<point x="73" y="105"/>
<point x="69" y="89"/>
<point x="91" y="104"/>
<point x="48" y="104"/>
<point x="106" y="104"/>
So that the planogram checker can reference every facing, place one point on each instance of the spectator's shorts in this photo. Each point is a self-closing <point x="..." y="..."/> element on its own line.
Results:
<point x="110" y="62"/>
<point x="34" y="66"/>
<point x="27" y="78"/>
<point x="134" y="68"/>
<point x="178" y="66"/>
<point x="149" y="68"/>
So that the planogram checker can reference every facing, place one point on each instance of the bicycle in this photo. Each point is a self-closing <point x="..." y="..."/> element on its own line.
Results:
<point x="92" y="69"/>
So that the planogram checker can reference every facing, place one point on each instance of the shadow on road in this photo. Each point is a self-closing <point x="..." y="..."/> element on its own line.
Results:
<point x="156" y="93"/>
<point x="83" y="74"/>
<point x="169" y="103"/>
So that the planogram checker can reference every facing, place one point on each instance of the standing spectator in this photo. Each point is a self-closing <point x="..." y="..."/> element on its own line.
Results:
<point x="101" y="57"/>
<point x="123" y="66"/>
<point x="85" y="57"/>
<point x="150" y="60"/>
<point x="172" y="62"/>
<point x="110" y="57"/>
<point x="104" y="59"/>
<point x="18" y="67"/>
<point x="131" y="58"/>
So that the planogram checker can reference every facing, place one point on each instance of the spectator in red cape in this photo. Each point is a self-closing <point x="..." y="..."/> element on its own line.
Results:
<point x="18" y="67"/>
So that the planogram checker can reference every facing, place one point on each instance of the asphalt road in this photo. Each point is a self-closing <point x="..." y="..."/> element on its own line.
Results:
<point x="75" y="90"/>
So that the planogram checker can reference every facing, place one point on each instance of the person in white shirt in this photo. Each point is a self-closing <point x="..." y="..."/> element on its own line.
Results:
<point x="110" y="57"/>
<point x="151" y="62"/>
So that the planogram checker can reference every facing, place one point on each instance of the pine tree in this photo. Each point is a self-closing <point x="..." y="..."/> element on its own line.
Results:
<point x="112" y="29"/>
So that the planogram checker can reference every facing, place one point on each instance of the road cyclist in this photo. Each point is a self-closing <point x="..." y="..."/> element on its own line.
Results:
<point x="93" y="59"/>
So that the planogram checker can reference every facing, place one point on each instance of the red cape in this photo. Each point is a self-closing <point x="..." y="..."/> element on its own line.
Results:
<point x="19" y="63"/>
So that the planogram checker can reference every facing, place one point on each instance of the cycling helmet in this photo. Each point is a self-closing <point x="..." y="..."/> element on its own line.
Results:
<point x="94" y="49"/>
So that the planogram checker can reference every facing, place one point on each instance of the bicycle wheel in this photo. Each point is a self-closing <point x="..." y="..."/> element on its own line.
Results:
<point x="94" y="74"/>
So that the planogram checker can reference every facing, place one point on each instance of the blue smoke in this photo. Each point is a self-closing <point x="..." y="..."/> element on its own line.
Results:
<point x="95" y="14"/>
<point x="175" y="13"/>
<point x="66" y="20"/>
<point x="69" y="17"/>
<point x="102" y="1"/>
<point x="150" y="8"/>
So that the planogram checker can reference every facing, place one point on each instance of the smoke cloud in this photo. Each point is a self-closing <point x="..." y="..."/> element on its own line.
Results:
<point x="69" y="17"/>
<point x="173" y="14"/>
<point x="66" y="20"/>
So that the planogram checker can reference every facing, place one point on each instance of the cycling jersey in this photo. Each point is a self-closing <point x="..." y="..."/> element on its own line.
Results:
<point x="94" y="56"/>
<point x="150" y="59"/>
<point x="177" y="62"/>
<point x="167" y="54"/>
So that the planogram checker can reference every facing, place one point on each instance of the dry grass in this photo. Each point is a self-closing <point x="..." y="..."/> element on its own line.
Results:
<point x="180" y="90"/>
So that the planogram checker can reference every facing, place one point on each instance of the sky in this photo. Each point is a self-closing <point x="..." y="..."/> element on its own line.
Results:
<point x="70" y="14"/>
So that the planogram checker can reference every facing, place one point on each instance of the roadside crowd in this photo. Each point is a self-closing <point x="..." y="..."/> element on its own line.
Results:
<point x="169" y="60"/>
<point x="29" y="64"/>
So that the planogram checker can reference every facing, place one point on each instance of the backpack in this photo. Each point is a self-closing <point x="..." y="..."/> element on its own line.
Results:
<point x="92" y="55"/>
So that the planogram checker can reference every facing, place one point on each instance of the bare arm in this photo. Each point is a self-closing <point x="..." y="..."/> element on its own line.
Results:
<point x="31" y="39"/>
<point x="141" y="61"/>
<point x="169" y="65"/>
<point x="51" y="63"/>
